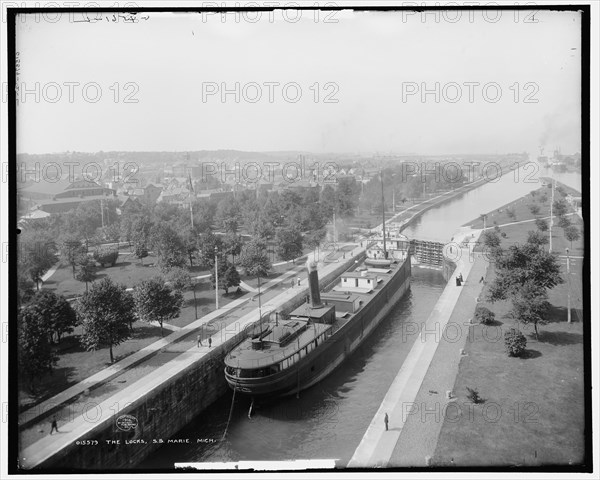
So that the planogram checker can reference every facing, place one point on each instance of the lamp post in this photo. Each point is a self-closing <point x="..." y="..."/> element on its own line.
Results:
<point x="568" y="287"/>
<point x="216" y="278"/>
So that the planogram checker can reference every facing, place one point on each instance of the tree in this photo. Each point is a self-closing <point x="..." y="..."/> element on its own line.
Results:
<point x="105" y="311"/>
<point x="106" y="255"/>
<point x="157" y="302"/>
<point x="491" y="239"/>
<point x="314" y="238"/>
<point x="542" y="225"/>
<point x="85" y="220"/>
<point x="209" y="242"/>
<point x="86" y="271"/>
<point x="537" y="238"/>
<point x="37" y="255"/>
<point x="289" y="243"/>
<point x="328" y="200"/>
<point x="179" y="278"/>
<point x="126" y="227"/>
<point x="71" y="250"/>
<point x="261" y="227"/>
<point x="228" y="276"/>
<point x="111" y="233"/>
<point x="232" y="245"/>
<point x="511" y="213"/>
<point x="227" y="215"/>
<point x="140" y="236"/>
<point x="559" y="207"/>
<point x="564" y="222"/>
<point x="535" y="209"/>
<point x="571" y="234"/>
<point x="168" y="246"/>
<point x="36" y="354"/>
<point x="254" y="259"/>
<point x="25" y="289"/>
<point x="190" y="244"/>
<point x="347" y="195"/>
<point x="523" y="264"/>
<point x="530" y="305"/>
<point x="204" y="213"/>
<point x="58" y="315"/>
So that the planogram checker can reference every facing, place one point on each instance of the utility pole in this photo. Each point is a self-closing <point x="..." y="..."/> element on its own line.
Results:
<point x="259" y="305"/>
<point x="191" y="200"/>
<point x="334" y="232"/>
<point x="551" y="215"/>
<point x="195" y="301"/>
<point x="216" y="279"/>
<point x="102" y="211"/>
<point x="568" y="288"/>
<point x="385" y="254"/>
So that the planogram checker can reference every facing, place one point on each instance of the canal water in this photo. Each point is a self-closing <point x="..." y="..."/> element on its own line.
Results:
<point x="329" y="419"/>
<point x="440" y="223"/>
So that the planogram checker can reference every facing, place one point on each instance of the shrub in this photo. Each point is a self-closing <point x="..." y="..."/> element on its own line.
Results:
<point x="535" y="209"/>
<point x="484" y="315"/>
<point x="514" y="342"/>
<point x="503" y="234"/>
<point x="105" y="255"/>
<point x="473" y="395"/>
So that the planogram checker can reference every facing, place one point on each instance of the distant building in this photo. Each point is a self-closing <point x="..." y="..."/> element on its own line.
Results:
<point x="147" y="195"/>
<point x="63" y="195"/>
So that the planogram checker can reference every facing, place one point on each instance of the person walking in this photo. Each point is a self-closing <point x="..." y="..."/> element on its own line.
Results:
<point x="386" y="420"/>
<point x="54" y="425"/>
<point x="199" y="340"/>
<point x="298" y="281"/>
<point x="209" y="342"/>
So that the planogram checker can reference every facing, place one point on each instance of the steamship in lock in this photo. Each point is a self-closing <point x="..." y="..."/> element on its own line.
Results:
<point x="283" y="357"/>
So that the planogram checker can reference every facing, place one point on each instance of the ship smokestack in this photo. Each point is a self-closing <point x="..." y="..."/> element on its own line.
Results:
<point x="313" y="285"/>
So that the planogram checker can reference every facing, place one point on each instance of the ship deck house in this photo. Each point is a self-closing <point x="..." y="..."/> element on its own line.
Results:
<point x="362" y="282"/>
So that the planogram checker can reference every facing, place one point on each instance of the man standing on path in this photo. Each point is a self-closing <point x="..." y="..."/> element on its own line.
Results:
<point x="209" y="342"/>
<point x="54" y="425"/>
<point x="199" y="339"/>
<point x="386" y="420"/>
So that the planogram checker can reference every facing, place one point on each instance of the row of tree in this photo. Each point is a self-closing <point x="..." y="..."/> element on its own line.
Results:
<point x="105" y="312"/>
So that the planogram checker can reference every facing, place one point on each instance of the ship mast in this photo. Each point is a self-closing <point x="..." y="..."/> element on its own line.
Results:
<point x="385" y="253"/>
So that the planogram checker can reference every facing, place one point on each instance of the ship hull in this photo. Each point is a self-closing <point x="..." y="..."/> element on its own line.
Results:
<point x="333" y="351"/>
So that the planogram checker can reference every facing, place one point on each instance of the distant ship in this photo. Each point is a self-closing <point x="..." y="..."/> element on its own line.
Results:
<point x="286" y="356"/>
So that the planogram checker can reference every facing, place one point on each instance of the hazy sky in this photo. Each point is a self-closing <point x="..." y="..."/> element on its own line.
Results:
<point x="366" y="61"/>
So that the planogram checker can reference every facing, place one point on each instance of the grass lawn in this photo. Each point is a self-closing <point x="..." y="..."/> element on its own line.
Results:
<point x="533" y="412"/>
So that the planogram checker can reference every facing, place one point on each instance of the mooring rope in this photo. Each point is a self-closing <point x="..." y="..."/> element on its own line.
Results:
<point x="230" y="413"/>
